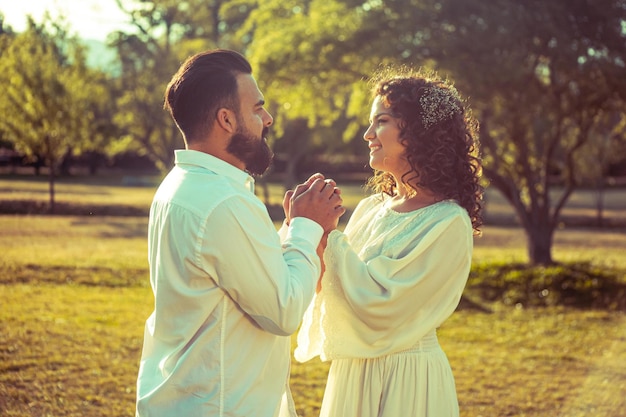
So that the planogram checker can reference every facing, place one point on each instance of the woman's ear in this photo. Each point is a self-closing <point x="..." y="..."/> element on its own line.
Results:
<point x="226" y="120"/>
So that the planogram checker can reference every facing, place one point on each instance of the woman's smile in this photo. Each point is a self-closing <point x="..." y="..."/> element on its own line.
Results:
<point x="383" y="140"/>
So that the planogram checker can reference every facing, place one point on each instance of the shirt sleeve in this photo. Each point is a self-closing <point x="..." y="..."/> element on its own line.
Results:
<point x="387" y="303"/>
<point x="271" y="282"/>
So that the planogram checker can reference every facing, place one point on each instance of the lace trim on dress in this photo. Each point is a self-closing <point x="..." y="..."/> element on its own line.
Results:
<point x="408" y="230"/>
<point x="388" y="229"/>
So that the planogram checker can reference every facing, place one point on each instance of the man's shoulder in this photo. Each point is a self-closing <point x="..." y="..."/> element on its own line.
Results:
<point x="201" y="192"/>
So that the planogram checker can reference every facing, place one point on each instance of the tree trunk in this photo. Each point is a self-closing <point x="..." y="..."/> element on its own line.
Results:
<point x="93" y="160"/>
<point x="540" y="244"/>
<point x="51" y="171"/>
<point x="37" y="165"/>
<point x="290" y="177"/>
<point x="66" y="163"/>
<point x="261" y="184"/>
<point x="600" y="203"/>
<point x="51" y="188"/>
<point x="297" y="136"/>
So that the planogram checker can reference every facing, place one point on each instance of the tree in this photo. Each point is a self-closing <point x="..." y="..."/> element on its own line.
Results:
<point x="538" y="73"/>
<point x="167" y="32"/>
<point x="304" y="57"/>
<point x="98" y="134"/>
<point x="49" y="94"/>
<point x="4" y="28"/>
<point x="607" y="147"/>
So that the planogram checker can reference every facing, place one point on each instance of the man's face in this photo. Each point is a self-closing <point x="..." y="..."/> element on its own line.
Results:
<point x="251" y="149"/>
<point x="249" y="142"/>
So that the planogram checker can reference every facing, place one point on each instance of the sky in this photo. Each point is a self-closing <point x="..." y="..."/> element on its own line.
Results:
<point x="89" y="19"/>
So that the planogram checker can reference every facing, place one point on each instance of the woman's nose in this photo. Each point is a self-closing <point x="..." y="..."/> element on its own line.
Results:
<point x="369" y="134"/>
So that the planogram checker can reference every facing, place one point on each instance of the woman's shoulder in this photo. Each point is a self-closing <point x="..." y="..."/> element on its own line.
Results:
<point x="445" y="210"/>
<point x="369" y="202"/>
<point x="445" y="214"/>
<point x="439" y="209"/>
<point x="450" y="207"/>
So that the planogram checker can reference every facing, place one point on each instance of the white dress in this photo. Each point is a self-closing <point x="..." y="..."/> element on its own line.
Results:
<point x="391" y="280"/>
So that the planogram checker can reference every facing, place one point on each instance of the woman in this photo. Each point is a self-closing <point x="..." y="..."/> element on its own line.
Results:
<point x="398" y="270"/>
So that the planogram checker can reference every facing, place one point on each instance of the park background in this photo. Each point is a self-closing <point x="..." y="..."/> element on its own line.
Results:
<point x="84" y="140"/>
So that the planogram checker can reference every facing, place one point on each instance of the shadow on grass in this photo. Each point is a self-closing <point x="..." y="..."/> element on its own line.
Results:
<point x="115" y="228"/>
<point x="64" y="275"/>
<point x="32" y="207"/>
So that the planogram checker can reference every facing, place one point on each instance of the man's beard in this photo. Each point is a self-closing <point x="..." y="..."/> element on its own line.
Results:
<point x="253" y="151"/>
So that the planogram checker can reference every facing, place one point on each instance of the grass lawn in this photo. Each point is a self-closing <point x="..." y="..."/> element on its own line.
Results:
<point x="74" y="294"/>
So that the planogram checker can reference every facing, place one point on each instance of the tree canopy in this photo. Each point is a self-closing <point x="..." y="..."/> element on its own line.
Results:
<point x="53" y="104"/>
<point x="545" y="79"/>
<point x="540" y="76"/>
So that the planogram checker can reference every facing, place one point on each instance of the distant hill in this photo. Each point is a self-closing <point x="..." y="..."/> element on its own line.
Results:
<point x="101" y="56"/>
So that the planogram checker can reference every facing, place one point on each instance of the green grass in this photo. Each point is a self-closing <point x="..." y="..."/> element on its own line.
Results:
<point x="68" y="249"/>
<point x="74" y="294"/>
<point x="110" y="190"/>
<point x="83" y="190"/>
<point x="69" y="350"/>
<point x="543" y="362"/>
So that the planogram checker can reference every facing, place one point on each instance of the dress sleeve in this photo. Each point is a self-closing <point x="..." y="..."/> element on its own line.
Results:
<point x="388" y="302"/>
<point x="272" y="282"/>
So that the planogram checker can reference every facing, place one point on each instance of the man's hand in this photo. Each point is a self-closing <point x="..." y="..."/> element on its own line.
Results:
<point x="317" y="199"/>
<point x="291" y="193"/>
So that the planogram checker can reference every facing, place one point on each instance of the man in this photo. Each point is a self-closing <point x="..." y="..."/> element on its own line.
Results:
<point x="227" y="293"/>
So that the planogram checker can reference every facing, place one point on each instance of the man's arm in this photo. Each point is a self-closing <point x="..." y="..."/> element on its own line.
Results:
<point x="270" y="282"/>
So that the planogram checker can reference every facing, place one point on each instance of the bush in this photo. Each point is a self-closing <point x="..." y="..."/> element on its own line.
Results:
<point x="579" y="284"/>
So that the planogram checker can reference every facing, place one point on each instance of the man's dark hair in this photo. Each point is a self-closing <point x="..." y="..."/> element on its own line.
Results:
<point x="203" y="84"/>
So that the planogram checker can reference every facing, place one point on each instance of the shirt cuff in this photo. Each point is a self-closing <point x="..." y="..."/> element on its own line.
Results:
<point x="304" y="228"/>
<point x="282" y="232"/>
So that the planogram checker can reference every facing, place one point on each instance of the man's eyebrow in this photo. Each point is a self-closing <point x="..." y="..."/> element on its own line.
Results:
<point x="260" y="103"/>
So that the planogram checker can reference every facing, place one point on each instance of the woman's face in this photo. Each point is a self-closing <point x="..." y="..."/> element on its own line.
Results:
<point x="383" y="137"/>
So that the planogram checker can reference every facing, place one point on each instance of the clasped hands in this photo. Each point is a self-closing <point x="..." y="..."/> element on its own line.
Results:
<point x="318" y="199"/>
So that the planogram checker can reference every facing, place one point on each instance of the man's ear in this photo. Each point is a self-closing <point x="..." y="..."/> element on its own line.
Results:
<point x="226" y="120"/>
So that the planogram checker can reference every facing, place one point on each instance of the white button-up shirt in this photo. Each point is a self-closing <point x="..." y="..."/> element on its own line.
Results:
<point x="227" y="296"/>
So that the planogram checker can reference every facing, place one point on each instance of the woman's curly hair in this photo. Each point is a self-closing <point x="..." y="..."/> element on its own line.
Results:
<point x="440" y="137"/>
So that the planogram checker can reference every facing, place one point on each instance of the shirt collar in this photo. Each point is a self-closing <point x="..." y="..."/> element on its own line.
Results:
<point x="210" y="162"/>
